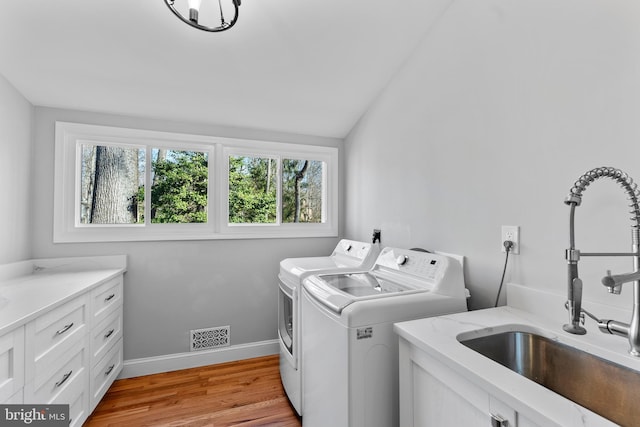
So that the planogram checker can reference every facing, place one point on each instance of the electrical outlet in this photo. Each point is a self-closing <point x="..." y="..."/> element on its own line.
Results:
<point x="377" y="236"/>
<point x="512" y="233"/>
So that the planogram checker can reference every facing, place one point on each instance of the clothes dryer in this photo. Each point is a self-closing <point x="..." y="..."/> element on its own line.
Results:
<point x="348" y="255"/>
<point x="349" y="349"/>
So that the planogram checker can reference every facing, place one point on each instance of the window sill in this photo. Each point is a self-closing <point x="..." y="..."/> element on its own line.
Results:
<point x="98" y="236"/>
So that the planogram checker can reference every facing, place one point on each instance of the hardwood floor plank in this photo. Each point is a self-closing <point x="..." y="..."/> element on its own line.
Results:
<point x="246" y="393"/>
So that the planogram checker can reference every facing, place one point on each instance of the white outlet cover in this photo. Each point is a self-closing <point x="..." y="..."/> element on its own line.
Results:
<point x="510" y="232"/>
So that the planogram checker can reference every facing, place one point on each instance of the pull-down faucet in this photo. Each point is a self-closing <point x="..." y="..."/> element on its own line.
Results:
<point x="612" y="282"/>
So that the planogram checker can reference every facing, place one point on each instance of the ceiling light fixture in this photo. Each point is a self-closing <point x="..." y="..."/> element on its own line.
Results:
<point x="208" y="17"/>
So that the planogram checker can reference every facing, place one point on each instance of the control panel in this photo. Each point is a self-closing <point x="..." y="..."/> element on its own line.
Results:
<point x="352" y="249"/>
<point x="421" y="264"/>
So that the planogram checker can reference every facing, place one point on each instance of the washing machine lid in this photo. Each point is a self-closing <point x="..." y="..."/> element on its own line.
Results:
<point x="299" y="266"/>
<point x="348" y="255"/>
<point x="337" y="291"/>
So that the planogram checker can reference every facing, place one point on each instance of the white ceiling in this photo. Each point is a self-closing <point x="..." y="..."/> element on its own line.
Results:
<point x="301" y="66"/>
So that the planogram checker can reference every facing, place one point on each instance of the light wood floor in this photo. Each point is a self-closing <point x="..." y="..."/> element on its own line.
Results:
<point x="244" y="393"/>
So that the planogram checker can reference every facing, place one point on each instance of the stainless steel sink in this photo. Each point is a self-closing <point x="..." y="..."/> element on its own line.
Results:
<point x="606" y="388"/>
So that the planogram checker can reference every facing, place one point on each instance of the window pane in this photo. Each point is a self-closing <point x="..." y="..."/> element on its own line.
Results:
<point x="252" y="190"/>
<point x="110" y="183"/>
<point x="179" y="186"/>
<point x="302" y="191"/>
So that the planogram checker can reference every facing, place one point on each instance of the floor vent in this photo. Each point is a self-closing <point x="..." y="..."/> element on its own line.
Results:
<point x="204" y="339"/>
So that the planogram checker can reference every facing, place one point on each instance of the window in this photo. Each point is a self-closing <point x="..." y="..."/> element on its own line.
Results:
<point x="179" y="186"/>
<point x="257" y="196"/>
<point x="116" y="184"/>
<point x="302" y="190"/>
<point x="111" y="184"/>
<point x="253" y="190"/>
<point x="285" y="190"/>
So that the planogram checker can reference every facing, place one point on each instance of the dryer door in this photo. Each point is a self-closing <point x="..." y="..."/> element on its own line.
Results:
<point x="287" y="313"/>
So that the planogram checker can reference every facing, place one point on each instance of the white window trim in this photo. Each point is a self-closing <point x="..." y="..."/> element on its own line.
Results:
<point x="66" y="227"/>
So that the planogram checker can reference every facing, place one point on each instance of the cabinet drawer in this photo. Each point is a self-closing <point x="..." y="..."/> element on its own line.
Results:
<point x="104" y="335"/>
<point x="57" y="331"/>
<point x="105" y="299"/>
<point x="11" y="363"/>
<point x="63" y="382"/>
<point x="105" y="373"/>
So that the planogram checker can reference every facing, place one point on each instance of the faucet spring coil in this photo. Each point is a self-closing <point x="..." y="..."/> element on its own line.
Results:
<point x="630" y="187"/>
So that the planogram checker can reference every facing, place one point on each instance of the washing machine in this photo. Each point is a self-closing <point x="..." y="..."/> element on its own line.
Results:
<point x="349" y="349"/>
<point x="348" y="255"/>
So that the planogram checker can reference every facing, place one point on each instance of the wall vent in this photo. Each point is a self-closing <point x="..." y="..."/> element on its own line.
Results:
<point x="204" y="339"/>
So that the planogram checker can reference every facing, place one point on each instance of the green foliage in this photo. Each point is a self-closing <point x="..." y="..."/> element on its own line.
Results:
<point x="252" y="190"/>
<point x="179" y="191"/>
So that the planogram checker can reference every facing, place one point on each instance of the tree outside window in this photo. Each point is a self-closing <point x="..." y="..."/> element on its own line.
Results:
<point x="113" y="190"/>
<point x="253" y="190"/>
<point x="179" y="186"/>
<point x="302" y="191"/>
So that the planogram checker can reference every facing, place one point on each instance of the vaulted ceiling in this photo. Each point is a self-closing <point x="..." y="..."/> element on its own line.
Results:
<point x="301" y="66"/>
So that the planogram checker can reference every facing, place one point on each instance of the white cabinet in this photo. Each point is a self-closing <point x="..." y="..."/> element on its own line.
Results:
<point x="56" y="368"/>
<point x="12" y="366"/>
<point x="69" y="351"/>
<point x="106" y="337"/>
<point x="431" y="394"/>
<point x="105" y="372"/>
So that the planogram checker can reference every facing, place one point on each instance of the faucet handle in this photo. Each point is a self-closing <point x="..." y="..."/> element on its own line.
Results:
<point x="576" y="288"/>
<point x="574" y="305"/>
<point x="614" y="283"/>
<point x="609" y="282"/>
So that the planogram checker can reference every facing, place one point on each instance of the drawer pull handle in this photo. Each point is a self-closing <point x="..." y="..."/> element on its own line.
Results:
<point x="108" y="334"/>
<point x="64" y="379"/>
<point x="109" y="298"/>
<point x="498" y="421"/>
<point x="108" y="371"/>
<point x="65" y="329"/>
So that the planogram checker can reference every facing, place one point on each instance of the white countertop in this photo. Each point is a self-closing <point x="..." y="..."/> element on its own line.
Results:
<point x="437" y="336"/>
<point x="30" y="287"/>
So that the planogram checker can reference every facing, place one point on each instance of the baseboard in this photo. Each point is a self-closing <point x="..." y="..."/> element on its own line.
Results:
<point x="174" y="362"/>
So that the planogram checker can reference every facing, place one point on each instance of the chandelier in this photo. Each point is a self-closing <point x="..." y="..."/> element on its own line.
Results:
<point x="213" y="16"/>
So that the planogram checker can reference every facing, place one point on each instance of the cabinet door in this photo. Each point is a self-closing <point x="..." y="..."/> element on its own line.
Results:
<point x="105" y="373"/>
<point x="106" y="299"/>
<point x="53" y="334"/>
<point x="11" y="364"/>
<point x="105" y="335"/>
<point x="433" y="395"/>
<point x="437" y="404"/>
<point x="66" y="373"/>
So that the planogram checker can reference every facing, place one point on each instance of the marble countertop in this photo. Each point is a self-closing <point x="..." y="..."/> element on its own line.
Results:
<point x="31" y="287"/>
<point x="438" y="337"/>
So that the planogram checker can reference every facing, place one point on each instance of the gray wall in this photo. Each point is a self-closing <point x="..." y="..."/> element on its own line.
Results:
<point x="173" y="287"/>
<point x="500" y="109"/>
<point x="16" y="146"/>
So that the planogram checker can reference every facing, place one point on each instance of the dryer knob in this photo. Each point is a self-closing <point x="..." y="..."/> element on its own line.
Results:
<point x="402" y="260"/>
<point x="348" y="248"/>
